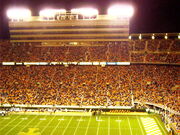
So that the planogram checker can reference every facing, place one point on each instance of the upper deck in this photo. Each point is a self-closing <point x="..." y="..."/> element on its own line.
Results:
<point x="99" y="28"/>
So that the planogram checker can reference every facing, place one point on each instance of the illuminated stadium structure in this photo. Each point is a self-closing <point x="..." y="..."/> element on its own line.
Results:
<point x="75" y="61"/>
<point x="83" y="24"/>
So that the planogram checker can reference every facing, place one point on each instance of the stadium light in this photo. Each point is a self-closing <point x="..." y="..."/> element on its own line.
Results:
<point x="18" y="13"/>
<point x="87" y="12"/>
<point x="179" y="36"/>
<point x="121" y="10"/>
<point x="50" y="12"/>
<point x="153" y="37"/>
<point x="140" y="36"/>
<point x="166" y="36"/>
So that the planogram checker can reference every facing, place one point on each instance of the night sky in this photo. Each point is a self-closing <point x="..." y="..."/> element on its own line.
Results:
<point x="151" y="16"/>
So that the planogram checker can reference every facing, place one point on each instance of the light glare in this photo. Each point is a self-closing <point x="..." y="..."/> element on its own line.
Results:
<point x="121" y="11"/>
<point x="88" y="12"/>
<point x="140" y="36"/>
<point x="166" y="36"/>
<point x="50" y="12"/>
<point x="18" y="13"/>
<point x="153" y="37"/>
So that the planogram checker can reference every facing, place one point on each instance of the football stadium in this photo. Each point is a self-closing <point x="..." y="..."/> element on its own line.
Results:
<point x="79" y="72"/>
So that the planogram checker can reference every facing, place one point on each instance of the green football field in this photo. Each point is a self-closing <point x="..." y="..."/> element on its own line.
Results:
<point x="81" y="125"/>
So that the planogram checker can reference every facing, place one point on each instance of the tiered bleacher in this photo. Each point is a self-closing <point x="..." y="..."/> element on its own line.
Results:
<point x="93" y="85"/>
<point x="142" y="51"/>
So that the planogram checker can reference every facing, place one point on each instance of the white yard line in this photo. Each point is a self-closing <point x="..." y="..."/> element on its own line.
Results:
<point x="108" y="125"/>
<point x="130" y="126"/>
<point x="67" y="125"/>
<point x="28" y="123"/>
<point x="39" y="122"/>
<point x="54" y="129"/>
<point x="119" y="126"/>
<point x="14" y="127"/>
<point x="140" y="125"/>
<point x="160" y="125"/>
<point x="48" y="124"/>
<point x="77" y="125"/>
<point x="4" y="119"/>
<point x="9" y="123"/>
<point x="88" y="125"/>
<point x="98" y="128"/>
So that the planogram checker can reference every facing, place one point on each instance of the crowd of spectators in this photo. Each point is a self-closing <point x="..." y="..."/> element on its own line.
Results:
<point x="74" y="85"/>
<point x="162" y="51"/>
<point x="90" y="85"/>
<point x="175" y="119"/>
<point x="169" y="117"/>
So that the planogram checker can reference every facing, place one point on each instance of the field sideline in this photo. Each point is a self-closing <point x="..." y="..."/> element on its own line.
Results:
<point x="81" y="125"/>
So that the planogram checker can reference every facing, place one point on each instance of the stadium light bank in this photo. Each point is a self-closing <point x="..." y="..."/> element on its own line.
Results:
<point x="18" y="14"/>
<point x="121" y="10"/>
<point x="118" y="10"/>
<point x="86" y="12"/>
<point x="51" y="12"/>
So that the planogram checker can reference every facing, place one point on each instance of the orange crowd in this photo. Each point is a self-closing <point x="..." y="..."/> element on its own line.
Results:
<point x="90" y="85"/>
<point x="148" y="51"/>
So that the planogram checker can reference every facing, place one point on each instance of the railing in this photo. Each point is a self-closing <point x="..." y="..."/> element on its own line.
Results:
<point x="63" y="106"/>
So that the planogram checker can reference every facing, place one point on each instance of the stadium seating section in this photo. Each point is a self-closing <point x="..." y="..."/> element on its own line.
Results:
<point x="92" y="85"/>
<point x="147" y="51"/>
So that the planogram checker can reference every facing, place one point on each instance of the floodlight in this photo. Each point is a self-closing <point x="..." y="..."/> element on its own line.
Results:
<point x="18" y="13"/>
<point x="179" y="36"/>
<point x="121" y="10"/>
<point x="88" y="12"/>
<point x="140" y="36"/>
<point x="166" y="36"/>
<point x="50" y="12"/>
<point x="153" y="37"/>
